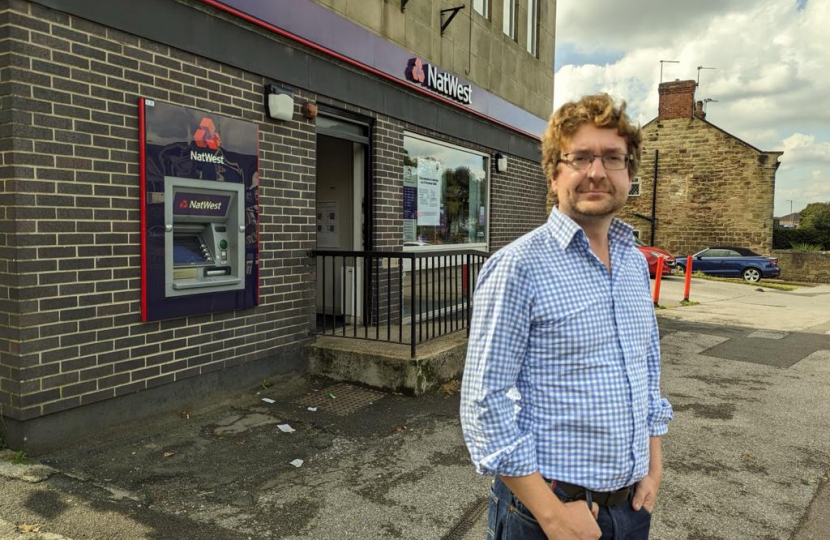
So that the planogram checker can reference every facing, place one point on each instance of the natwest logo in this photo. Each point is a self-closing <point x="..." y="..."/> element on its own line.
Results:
<point x="439" y="81"/>
<point x="206" y="137"/>
<point x="204" y="205"/>
<point x="187" y="203"/>
<point x="199" y="205"/>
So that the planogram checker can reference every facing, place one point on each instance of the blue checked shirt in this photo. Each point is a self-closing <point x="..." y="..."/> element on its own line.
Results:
<point x="563" y="362"/>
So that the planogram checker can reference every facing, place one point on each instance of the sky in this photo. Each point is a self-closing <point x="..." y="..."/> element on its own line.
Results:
<point x="771" y="82"/>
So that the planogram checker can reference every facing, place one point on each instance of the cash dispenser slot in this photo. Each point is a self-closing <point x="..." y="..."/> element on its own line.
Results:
<point x="204" y="237"/>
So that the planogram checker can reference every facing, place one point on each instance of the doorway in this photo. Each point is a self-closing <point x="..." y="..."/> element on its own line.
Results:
<point x="342" y="219"/>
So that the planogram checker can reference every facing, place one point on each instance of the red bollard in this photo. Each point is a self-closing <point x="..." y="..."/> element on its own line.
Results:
<point x="688" y="278"/>
<point x="658" y="277"/>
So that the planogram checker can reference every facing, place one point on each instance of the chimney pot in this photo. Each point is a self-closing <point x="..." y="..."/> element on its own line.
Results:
<point x="699" y="112"/>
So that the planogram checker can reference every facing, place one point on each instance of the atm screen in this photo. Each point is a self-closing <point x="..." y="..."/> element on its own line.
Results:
<point x="187" y="250"/>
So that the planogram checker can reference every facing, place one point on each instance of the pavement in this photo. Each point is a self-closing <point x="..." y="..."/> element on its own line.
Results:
<point x="747" y="456"/>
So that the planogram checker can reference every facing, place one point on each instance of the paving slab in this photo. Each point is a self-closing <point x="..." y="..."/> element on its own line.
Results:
<point x="806" y="309"/>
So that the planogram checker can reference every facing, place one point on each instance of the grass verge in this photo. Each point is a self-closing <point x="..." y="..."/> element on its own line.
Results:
<point x="764" y="284"/>
<point x="18" y="458"/>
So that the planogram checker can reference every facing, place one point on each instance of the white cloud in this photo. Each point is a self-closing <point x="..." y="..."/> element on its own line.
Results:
<point x="771" y="82"/>
<point x="801" y="148"/>
<point x="770" y="58"/>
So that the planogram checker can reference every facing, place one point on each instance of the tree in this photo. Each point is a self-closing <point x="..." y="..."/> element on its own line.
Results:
<point x="816" y="216"/>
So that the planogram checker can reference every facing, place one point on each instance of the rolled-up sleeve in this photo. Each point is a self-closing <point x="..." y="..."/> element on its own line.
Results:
<point x="499" y="335"/>
<point x="659" y="409"/>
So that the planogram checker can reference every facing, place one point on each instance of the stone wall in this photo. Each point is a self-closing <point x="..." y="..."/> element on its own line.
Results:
<point x="473" y="47"/>
<point x="807" y="266"/>
<point x="712" y="188"/>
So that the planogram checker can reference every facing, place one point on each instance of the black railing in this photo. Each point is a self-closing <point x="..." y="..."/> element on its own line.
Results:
<point x="398" y="297"/>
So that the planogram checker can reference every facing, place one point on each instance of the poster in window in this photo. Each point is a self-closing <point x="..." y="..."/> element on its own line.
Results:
<point x="429" y="192"/>
<point x="410" y="192"/>
<point x="409" y="230"/>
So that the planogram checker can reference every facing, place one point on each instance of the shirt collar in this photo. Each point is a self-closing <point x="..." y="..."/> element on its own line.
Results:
<point x="564" y="229"/>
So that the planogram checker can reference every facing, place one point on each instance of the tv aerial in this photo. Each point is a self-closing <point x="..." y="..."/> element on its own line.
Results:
<point x="707" y="101"/>
<point x="666" y="62"/>
<point x="698" y="72"/>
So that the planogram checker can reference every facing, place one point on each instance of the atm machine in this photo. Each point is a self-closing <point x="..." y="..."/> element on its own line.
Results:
<point x="199" y="212"/>
<point x="204" y="237"/>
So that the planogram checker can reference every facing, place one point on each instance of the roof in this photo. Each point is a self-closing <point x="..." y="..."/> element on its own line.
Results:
<point x="746" y="252"/>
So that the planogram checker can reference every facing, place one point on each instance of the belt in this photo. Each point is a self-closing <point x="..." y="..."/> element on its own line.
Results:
<point x="603" y="498"/>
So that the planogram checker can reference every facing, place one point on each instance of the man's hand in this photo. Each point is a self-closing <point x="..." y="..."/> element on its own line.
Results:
<point x="574" y="522"/>
<point x="645" y="493"/>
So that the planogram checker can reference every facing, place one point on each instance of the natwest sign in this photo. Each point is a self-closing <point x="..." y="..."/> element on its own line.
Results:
<point x="439" y="81"/>
<point x="199" y="204"/>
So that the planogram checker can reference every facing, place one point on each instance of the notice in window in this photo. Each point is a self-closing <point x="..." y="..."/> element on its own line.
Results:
<point x="327" y="226"/>
<point x="429" y="192"/>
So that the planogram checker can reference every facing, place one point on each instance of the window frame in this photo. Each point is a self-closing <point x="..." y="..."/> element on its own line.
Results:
<point x="532" y="44"/>
<point x="636" y="181"/>
<point x="485" y="6"/>
<point x="511" y="5"/>
<point x="482" y="246"/>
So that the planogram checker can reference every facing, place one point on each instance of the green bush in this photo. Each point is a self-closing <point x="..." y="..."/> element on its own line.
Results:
<point x="806" y="247"/>
<point x="787" y="238"/>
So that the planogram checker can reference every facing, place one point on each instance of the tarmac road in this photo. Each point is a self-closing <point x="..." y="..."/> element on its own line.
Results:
<point x="745" y="456"/>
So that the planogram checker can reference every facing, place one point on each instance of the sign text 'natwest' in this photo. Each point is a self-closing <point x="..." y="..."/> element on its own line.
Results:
<point x="439" y="81"/>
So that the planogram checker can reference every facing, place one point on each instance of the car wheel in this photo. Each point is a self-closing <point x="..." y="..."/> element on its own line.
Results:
<point x="751" y="275"/>
<point x="680" y="269"/>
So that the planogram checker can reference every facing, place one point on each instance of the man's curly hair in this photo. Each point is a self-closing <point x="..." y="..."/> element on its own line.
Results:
<point x="599" y="110"/>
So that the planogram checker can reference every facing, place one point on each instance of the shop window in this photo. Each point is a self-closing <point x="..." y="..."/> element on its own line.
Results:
<point x="532" y="26"/>
<point x="509" y="20"/>
<point x="482" y="7"/>
<point x="634" y="190"/>
<point x="445" y="199"/>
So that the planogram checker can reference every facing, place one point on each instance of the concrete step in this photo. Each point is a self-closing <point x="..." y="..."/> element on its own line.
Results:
<point x="389" y="366"/>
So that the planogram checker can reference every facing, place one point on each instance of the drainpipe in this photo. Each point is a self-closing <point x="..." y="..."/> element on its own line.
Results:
<point x="654" y="198"/>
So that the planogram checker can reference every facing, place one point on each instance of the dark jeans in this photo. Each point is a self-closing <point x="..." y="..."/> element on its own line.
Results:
<point x="509" y="519"/>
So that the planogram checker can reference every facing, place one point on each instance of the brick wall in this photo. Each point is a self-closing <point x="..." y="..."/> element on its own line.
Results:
<point x="676" y="99"/>
<point x="517" y="200"/>
<point x="72" y="170"/>
<point x="70" y="330"/>
<point x="711" y="188"/>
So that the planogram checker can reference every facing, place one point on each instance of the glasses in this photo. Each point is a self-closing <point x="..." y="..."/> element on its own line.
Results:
<point x="582" y="161"/>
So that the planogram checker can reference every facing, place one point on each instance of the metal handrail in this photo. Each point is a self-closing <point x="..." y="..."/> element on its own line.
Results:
<point x="440" y="291"/>
<point x="400" y="254"/>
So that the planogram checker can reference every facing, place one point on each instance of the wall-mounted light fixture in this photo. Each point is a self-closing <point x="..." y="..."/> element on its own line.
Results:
<point x="501" y="163"/>
<point x="279" y="102"/>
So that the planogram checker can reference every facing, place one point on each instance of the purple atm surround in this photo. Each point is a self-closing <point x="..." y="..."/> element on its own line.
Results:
<point x="181" y="142"/>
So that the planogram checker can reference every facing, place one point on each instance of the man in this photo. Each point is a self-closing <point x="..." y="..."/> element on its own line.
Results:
<point x="561" y="392"/>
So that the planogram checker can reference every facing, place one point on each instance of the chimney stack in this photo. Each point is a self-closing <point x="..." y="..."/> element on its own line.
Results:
<point x="677" y="100"/>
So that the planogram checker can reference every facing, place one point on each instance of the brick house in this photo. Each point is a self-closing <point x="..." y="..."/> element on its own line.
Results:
<point x="712" y="187"/>
<point x="77" y="352"/>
